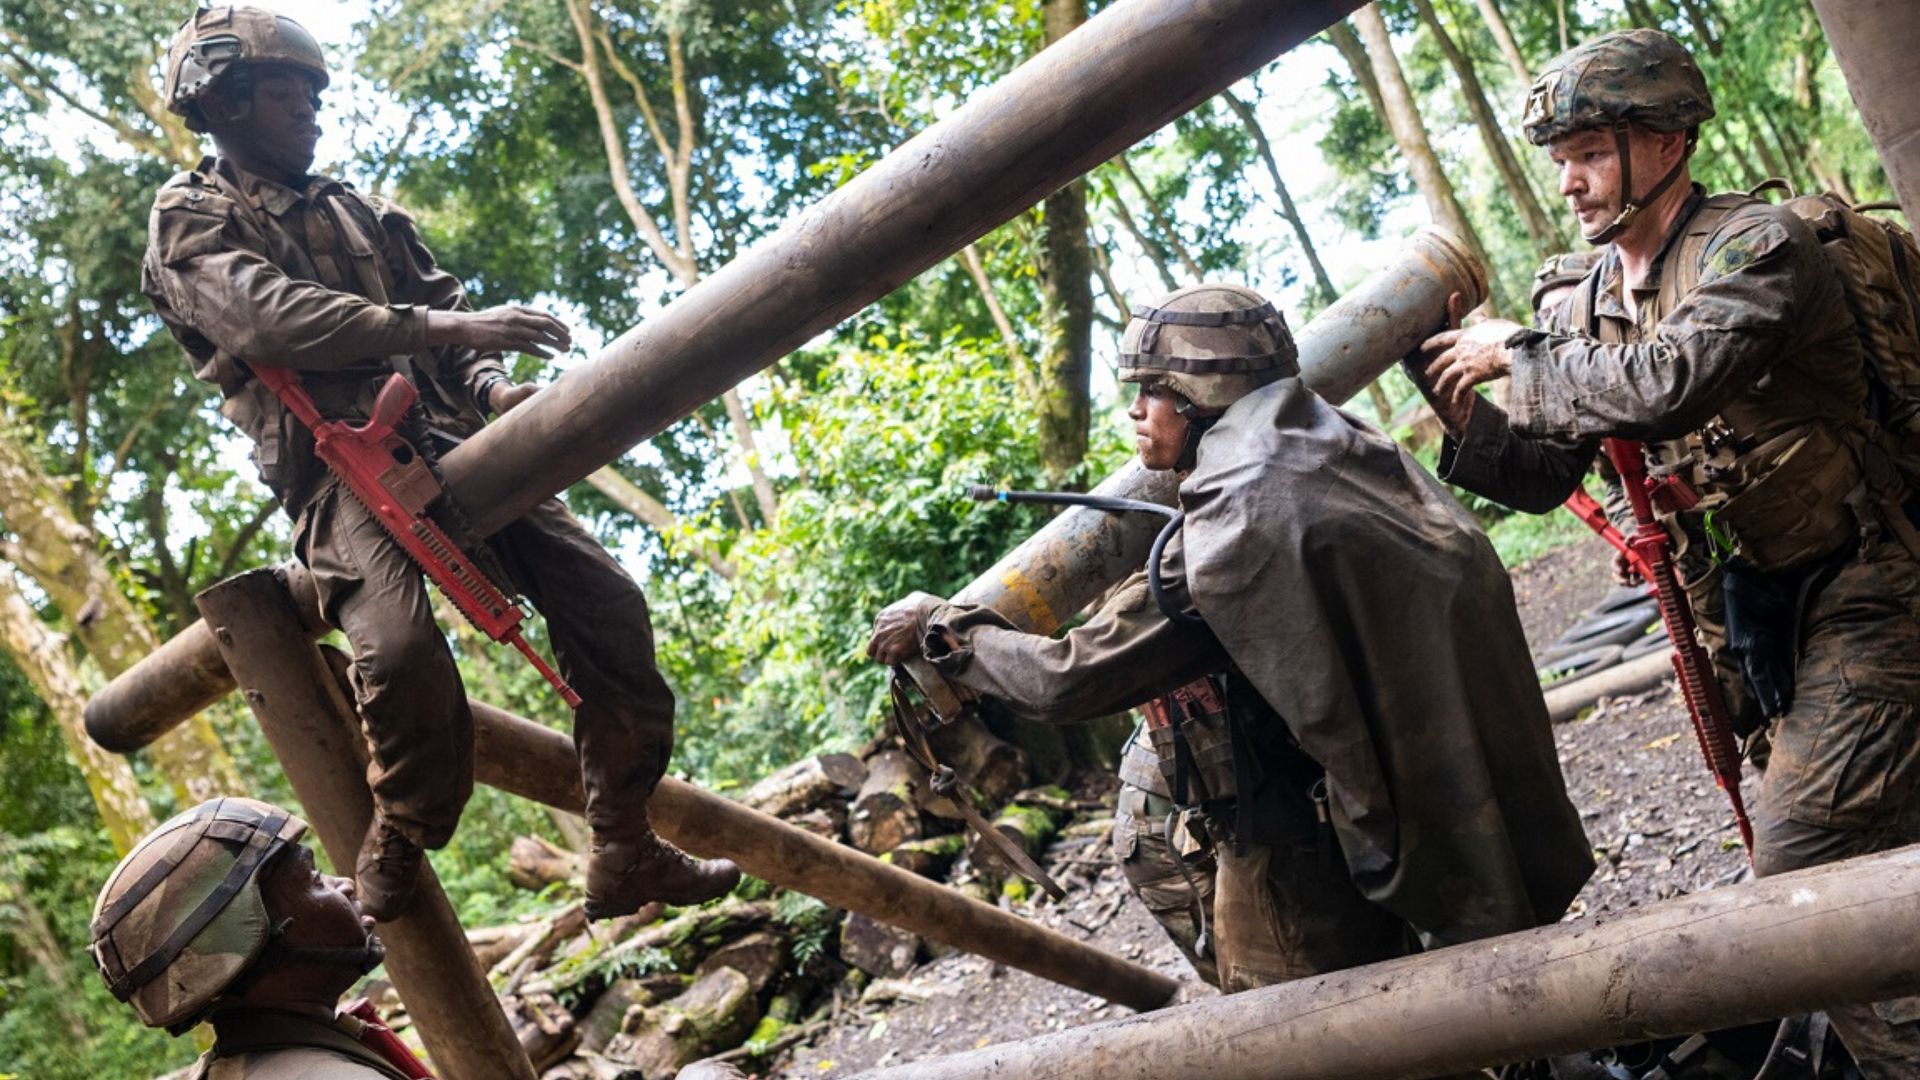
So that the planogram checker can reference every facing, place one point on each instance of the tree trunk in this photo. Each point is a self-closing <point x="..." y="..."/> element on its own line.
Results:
<point x="930" y="857"/>
<point x="634" y="499"/>
<point x="546" y="1030"/>
<point x="1156" y="255"/>
<point x="876" y="948"/>
<point x="1066" y="303"/>
<point x="1162" y="221"/>
<point x="1546" y="236"/>
<point x="41" y="657"/>
<point x="1323" y="291"/>
<point x="533" y="863"/>
<point x="1496" y="21"/>
<point x="1342" y="35"/>
<point x="1410" y="134"/>
<point x="1009" y="340"/>
<point x="37" y="940"/>
<point x="61" y="554"/>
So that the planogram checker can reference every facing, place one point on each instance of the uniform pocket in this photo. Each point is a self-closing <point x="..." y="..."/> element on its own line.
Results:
<point x="1859" y="763"/>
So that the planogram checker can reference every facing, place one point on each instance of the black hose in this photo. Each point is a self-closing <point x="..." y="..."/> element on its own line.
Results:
<point x="1115" y="505"/>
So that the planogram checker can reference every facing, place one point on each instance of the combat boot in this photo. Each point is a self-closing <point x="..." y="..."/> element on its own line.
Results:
<point x="627" y="871"/>
<point x="387" y="870"/>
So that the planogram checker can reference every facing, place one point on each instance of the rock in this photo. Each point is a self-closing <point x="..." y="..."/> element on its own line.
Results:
<point x="876" y="948"/>
<point x="760" y="956"/>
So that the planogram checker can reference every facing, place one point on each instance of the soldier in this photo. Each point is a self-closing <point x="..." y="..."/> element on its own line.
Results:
<point x="1368" y="790"/>
<point x="219" y="915"/>
<point x="1717" y="329"/>
<point x="1553" y="283"/>
<point x="253" y="260"/>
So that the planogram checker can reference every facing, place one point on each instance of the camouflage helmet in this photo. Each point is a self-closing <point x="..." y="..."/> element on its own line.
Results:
<point x="182" y="916"/>
<point x="1211" y="344"/>
<point x="216" y="40"/>
<point x="1641" y="77"/>
<point x="1560" y="271"/>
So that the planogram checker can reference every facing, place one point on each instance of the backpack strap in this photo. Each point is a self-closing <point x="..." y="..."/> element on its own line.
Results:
<point x="1681" y="274"/>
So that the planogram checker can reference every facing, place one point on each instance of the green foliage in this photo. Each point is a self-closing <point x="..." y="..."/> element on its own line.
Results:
<point x="887" y="436"/>
<point x="477" y="121"/>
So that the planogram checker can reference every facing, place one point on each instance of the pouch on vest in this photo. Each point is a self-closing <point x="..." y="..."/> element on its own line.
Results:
<point x="1794" y="512"/>
<point x="1195" y="743"/>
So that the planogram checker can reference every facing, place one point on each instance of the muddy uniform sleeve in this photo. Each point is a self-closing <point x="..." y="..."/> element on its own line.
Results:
<point x="1127" y="653"/>
<point x="1723" y="335"/>
<point x="1492" y="461"/>
<point x="211" y="266"/>
<point x="418" y="280"/>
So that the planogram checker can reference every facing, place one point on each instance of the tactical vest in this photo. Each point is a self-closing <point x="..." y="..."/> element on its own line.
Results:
<point x="1789" y="472"/>
<point x="1222" y="751"/>
<point x="343" y="240"/>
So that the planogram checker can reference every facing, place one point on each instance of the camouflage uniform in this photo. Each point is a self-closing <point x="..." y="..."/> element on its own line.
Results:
<point x="1164" y="856"/>
<point x="1354" y="808"/>
<point x="259" y="1044"/>
<point x="1760" y="358"/>
<point x="337" y="286"/>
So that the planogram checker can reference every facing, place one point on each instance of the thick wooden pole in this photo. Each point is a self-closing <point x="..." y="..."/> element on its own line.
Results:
<point x="1875" y="42"/>
<point x="520" y="756"/>
<point x="1122" y="76"/>
<point x="310" y="723"/>
<point x="1053" y="574"/>
<point x="1833" y="935"/>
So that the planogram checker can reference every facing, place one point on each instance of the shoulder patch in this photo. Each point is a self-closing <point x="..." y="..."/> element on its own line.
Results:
<point x="1751" y="242"/>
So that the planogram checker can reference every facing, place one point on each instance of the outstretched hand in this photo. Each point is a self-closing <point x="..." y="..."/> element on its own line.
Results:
<point x="506" y="328"/>
<point x="896" y="634"/>
<point x="1451" y="363"/>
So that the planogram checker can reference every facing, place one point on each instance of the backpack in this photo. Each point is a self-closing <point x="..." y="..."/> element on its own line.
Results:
<point x="1876" y="262"/>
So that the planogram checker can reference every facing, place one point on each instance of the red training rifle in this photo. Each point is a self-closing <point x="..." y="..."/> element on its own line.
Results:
<point x="1650" y="550"/>
<point x="392" y="480"/>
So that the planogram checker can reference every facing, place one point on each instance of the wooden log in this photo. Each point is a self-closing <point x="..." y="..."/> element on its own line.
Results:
<point x="886" y="813"/>
<point x="537" y="949"/>
<point x="1031" y="825"/>
<point x="995" y="767"/>
<point x="534" y="863"/>
<point x="828" y="822"/>
<point x="929" y="856"/>
<point x="308" y="718"/>
<point x="491" y="944"/>
<point x="685" y="939"/>
<point x="1839" y="934"/>
<point x="518" y="755"/>
<point x="608" y="1016"/>
<point x="716" y="1013"/>
<point x="807" y="784"/>
<point x="876" y="948"/>
<point x="546" y="1030"/>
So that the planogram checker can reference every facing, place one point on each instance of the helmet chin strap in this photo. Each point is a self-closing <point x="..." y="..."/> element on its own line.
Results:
<point x="1630" y="207"/>
<point x="1197" y="427"/>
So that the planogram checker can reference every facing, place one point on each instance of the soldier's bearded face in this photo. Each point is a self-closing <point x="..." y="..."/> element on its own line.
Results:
<point x="1159" y="431"/>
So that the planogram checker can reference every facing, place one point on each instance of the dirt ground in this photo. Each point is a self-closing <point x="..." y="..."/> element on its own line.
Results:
<point x="1658" y="826"/>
